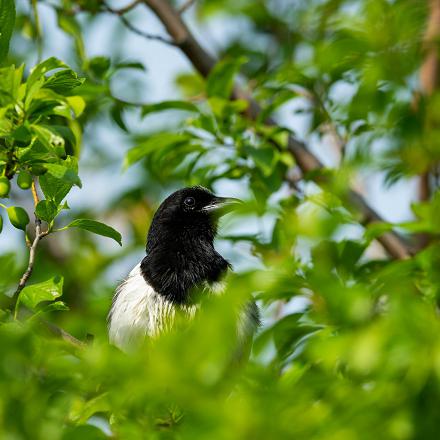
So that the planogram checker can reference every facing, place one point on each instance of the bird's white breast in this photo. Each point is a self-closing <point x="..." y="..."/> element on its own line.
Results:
<point x="138" y="311"/>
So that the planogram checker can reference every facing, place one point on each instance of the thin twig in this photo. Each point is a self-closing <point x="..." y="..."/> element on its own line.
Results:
<point x="186" y="5"/>
<point x="59" y="332"/>
<point x="134" y="29"/>
<point x="125" y="9"/>
<point x="39" y="234"/>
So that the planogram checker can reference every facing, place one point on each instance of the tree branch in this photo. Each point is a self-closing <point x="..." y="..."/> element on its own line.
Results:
<point x="395" y="246"/>
<point x="429" y="77"/>
<point x="62" y="334"/>
<point x="39" y="234"/>
<point x="125" y="9"/>
<point x="120" y="13"/>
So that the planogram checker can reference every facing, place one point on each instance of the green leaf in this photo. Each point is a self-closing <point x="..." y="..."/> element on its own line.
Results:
<point x="154" y="143"/>
<point x="7" y="21"/>
<point x="46" y="210"/>
<point x="8" y="270"/>
<point x="40" y="69"/>
<point x="49" y="139"/>
<point x="169" y="105"/>
<point x="288" y="332"/>
<point x="77" y="104"/>
<point x="99" y="66"/>
<point x="116" y="114"/>
<point x="264" y="158"/>
<point x="130" y="65"/>
<point x="190" y="84"/>
<point x="48" y="290"/>
<point x="56" y="306"/>
<point x="54" y="188"/>
<point x="61" y="172"/>
<point x="83" y="432"/>
<point x="83" y="412"/>
<point x="10" y="80"/>
<point x="97" y="228"/>
<point x="220" y="81"/>
<point x="63" y="82"/>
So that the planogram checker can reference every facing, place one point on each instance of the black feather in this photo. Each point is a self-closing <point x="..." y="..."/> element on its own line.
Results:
<point x="180" y="245"/>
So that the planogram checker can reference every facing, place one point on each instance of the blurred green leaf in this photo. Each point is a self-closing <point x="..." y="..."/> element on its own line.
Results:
<point x="221" y="80"/>
<point x="154" y="143"/>
<point x="169" y="105"/>
<point x="7" y="19"/>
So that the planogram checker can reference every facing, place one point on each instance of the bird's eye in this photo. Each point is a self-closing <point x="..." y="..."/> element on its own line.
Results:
<point x="190" y="202"/>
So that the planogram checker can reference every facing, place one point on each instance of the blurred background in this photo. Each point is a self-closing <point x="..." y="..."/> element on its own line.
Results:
<point x="342" y="258"/>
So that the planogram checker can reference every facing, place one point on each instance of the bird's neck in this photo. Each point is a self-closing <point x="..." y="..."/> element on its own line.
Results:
<point x="180" y="263"/>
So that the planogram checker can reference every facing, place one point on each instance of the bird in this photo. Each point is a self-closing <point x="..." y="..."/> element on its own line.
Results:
<point x="180" y="259"/>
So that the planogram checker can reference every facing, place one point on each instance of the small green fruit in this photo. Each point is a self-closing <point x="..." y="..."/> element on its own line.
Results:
<point x="24" y="180"/>
<point x="38" y="170"/>
<point x="5" y="186"/>
<point x="18" y="217"/>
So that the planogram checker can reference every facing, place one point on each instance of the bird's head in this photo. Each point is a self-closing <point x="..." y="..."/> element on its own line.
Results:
<point x="192" y="211"/>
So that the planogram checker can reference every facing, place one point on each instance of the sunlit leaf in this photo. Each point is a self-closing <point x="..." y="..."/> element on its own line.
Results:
<point x="97" y="228"/>
<point x="33" y="294"/>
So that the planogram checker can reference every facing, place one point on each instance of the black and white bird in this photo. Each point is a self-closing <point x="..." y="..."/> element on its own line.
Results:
<point x="180" y="259"/>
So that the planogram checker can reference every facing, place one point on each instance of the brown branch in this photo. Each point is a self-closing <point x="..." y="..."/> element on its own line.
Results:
<point x="395" y="246"/>
<point x="429" y="78"/>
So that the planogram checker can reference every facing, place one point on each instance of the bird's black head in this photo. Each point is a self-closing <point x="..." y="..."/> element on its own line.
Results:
<point x="180" y="245"/>
<point x="186" y="214"/>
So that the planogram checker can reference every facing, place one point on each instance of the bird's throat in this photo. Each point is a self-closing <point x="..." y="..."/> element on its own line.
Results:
<point x="176" y="271"/>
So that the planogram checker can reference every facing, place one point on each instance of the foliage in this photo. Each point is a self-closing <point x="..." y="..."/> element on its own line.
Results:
<point x="359" y="358"/>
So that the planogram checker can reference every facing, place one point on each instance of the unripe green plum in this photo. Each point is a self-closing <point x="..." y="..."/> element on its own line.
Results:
<point x="5" y="186"/>
<point x="24" y="180"/>
<point x="18" y="217"/>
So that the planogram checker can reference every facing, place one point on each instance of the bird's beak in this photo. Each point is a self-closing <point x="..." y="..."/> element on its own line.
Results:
<point x="222" y="204"/>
